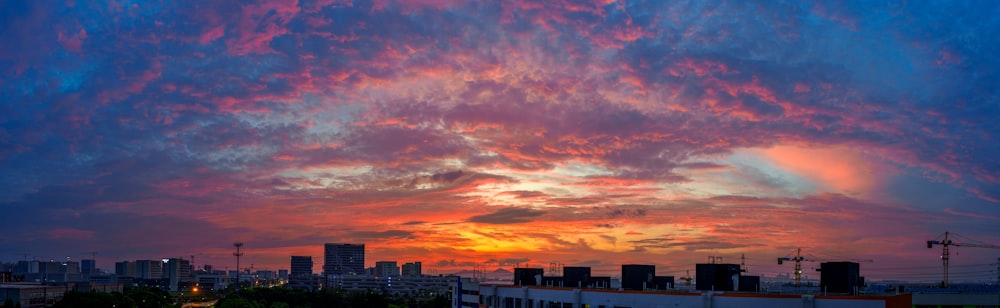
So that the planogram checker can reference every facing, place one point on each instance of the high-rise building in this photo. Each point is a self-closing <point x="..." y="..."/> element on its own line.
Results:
<point x="412" y="269"/>
<point x="88" y="266"/>
<point x="301" y="266"/>
<point x="148" y="269"/>
<point x="176" y="271"/>
<point x="125" y="268"/>
<point x="343" y="259"/>
<point x="48" y="267"/>
<point x="70" y="267"/>
<point x="301" y="275"/>
<point x="386" y="269"/>
<point x="24" y="267"/>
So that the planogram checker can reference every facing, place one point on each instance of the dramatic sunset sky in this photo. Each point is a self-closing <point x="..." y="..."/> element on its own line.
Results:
<point x="466" y="134"/>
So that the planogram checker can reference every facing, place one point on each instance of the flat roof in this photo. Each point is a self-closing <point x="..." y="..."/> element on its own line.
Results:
<point x="714" y="293"/>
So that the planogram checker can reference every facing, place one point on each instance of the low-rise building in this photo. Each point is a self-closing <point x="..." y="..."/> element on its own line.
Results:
<point x="409" y="286"/>
<point x="464" y="293"/>
<point x="212" y="281"/>
<point x="32" y="295"/>
<point x="538" y="296"/>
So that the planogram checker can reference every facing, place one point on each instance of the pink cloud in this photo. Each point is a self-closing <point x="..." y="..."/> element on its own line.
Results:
<point x="259" y="24"/>
<point x="212" y="34"/>
<point x="841" y="169"/>
<point x="969" y="214"/>
<point x="72" y="42"/>
<point x="801" y="88"/>
<point x="700" y="68"/>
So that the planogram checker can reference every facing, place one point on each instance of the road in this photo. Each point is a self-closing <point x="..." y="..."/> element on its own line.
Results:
<point x="200" y="304"/>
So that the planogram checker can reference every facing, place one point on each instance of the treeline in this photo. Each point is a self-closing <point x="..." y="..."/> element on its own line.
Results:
<point x="134" y="297"/>
<point x="292" y="298"/>
<point x="248" y="298"/>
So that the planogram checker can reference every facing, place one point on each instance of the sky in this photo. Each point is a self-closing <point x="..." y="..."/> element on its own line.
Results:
<point x="496" y="134"/>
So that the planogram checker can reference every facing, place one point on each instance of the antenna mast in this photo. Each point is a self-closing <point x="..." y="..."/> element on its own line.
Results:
<point x="238" y="254"/>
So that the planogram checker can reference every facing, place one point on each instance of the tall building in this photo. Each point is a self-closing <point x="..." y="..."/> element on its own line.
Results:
<point x="125" y="268"/>
<point x="48" y="267"/>
<point x="412" y="269"/>
<point x="343" y="259"/>
<point x="301" y="272"/>
<point x="301" y="266"/>
<point x="88" y="266"/>
<point x="386" y="269"/>
<point x="148" y="269"/>
<point x="24" y="267"/>
<point x="177" y="271"/>
<point x="70" y="267"/>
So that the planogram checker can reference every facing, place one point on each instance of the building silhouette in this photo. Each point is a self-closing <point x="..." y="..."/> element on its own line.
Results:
<point x="386" y="269"/>
<point x="343" y="259"/>
<point x="301" y="266"/>
<point x="148" y="269"/>
<point x="177" y="272"/>
<point x="88" y="266"/>
<point x="125" y="268"/>
<point x="412" y="269"/>
<point x="301" y="275"/>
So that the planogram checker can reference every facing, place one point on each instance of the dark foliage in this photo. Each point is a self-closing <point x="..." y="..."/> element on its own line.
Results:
<point x="75" y="299"/>
<point x="336" y="298"/>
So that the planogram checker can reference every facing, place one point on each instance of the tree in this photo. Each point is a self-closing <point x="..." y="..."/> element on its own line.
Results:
<point x="75" y="299"/>
<point x="149" y="297"/>
<point x="439" y="301"/>
<point x="238" y="303"/>
<point x="279" y="305"/>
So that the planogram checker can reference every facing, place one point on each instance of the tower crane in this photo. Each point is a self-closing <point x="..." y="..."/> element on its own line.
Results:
<point x="687" y="278"/>
<point x="945" y="242"/>
<point x="798" y="258"/>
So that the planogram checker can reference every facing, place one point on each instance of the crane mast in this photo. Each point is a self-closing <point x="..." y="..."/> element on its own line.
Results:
<point x="798" y="265"/>
<point x="798" y="258"/>
<point x="946" y="253"/>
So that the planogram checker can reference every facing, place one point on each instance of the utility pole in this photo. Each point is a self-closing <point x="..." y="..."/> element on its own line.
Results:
<point x="238" y="254"/>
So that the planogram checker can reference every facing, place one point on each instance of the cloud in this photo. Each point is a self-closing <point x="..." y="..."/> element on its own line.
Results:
<point x="507" y="216"/>
<point x="463" y="132"/>
<point x="627" y="213"/>
<point x="379" y="235"/>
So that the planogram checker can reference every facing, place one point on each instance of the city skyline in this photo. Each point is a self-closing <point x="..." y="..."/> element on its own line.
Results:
<point x="490" y="134"/>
